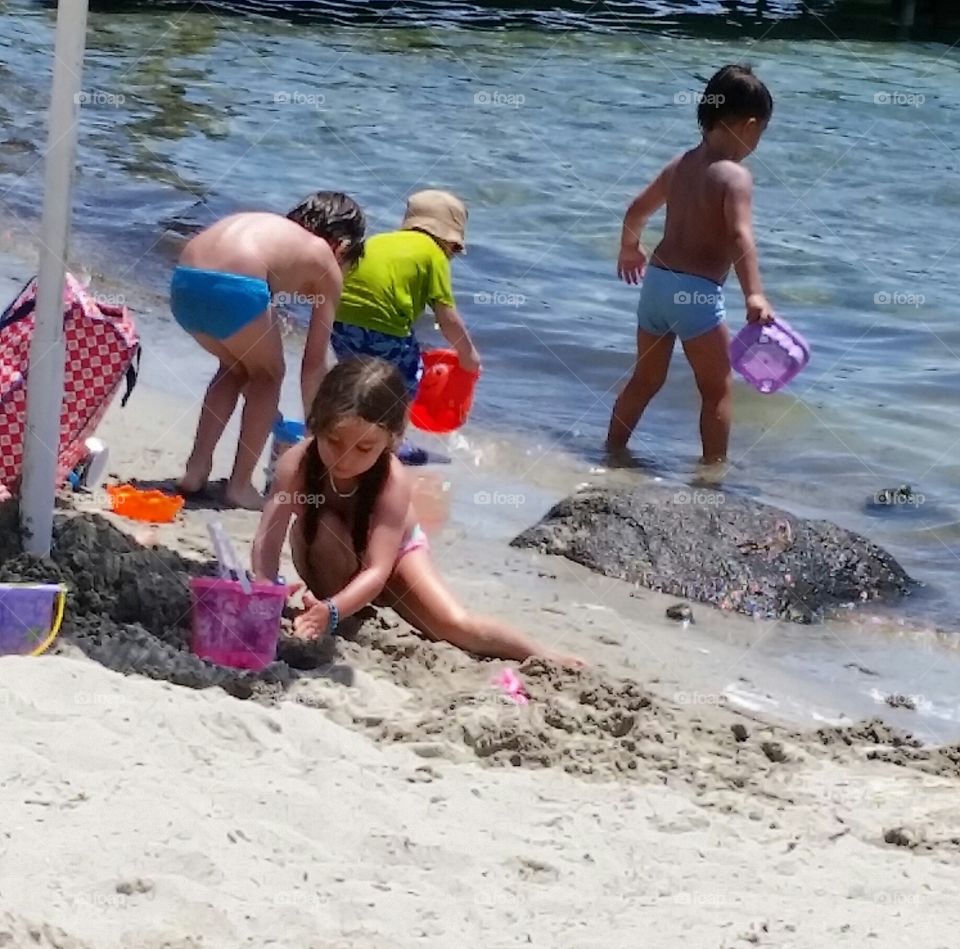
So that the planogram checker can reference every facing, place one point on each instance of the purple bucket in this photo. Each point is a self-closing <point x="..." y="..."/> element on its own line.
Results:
<point x="30" y="617"/>
<point x="768" y="357"/>
<point x="233" y="628"/>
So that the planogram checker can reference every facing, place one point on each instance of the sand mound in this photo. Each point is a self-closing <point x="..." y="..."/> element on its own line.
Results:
<point x="129" y="606"/>
<point x="585" y="722"/>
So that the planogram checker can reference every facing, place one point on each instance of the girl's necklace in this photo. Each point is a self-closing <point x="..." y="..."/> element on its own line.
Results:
<point x="340" y="494"/>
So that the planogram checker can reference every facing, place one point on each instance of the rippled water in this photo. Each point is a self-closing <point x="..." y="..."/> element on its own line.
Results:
<point x="823" y="19"/>
<point x="547" y="135"/>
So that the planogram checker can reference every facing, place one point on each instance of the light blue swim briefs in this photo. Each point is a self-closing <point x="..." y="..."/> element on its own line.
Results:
<point x="215" y="303"/>
<point x="680" y="303"/>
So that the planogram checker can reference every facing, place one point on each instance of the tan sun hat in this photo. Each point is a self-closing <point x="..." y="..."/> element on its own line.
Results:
<point x="441" y="214"/>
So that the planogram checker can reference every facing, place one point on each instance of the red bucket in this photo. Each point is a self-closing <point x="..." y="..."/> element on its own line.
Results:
<point x="445" y="396"/>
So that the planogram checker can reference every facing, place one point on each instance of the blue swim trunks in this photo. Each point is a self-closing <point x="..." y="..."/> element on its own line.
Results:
<point x="218" y="304"/>
<point x="679" y="303"/>
<point x="403" y="351"/>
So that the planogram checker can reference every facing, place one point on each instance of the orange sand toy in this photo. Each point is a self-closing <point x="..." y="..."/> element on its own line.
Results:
<point x="153" y="506"/>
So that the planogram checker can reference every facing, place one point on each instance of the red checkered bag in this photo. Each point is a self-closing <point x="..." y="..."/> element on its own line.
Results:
<point x="102" y="348"/>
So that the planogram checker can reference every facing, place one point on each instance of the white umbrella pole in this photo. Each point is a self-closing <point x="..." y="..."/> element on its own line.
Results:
<point x="45" y="380"/>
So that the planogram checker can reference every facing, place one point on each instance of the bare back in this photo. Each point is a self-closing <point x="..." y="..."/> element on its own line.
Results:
<point x="697" y="236"/>
<point x="263" y="245"/>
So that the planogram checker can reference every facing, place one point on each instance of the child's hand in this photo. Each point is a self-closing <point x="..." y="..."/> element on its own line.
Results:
<point x="470" y="360"/>
<point x="759" y="309"/>
<point x="565" y="659"/>
<point x="312" y="623"/>
<point x="632" y="263"/>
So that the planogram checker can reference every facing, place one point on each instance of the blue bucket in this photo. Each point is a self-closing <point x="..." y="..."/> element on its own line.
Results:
<point x="286" y="433"/>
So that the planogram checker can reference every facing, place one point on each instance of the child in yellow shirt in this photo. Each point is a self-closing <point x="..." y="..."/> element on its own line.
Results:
<point x="400" y="274"/>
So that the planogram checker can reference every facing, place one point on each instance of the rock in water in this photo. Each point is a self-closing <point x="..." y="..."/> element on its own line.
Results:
<point x="680" y="612"/>
<point x="735" y="553"/>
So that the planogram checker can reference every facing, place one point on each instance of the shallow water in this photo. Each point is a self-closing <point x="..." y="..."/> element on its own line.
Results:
<point x="548" y="135"/>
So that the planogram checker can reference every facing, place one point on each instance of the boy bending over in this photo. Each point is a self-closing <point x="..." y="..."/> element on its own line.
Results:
<point x="221" y="294"/>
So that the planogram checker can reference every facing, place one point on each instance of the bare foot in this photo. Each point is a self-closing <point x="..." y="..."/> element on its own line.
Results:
<point x="194" y="480"/>
<point x="712" y="471"/>
<point x="246" y="497"/>
<point x="620" y="456"/>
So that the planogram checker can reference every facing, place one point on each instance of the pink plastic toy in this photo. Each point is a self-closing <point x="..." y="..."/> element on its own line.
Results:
<point x="510" y="683"/>
<point x="768" y="357"/>
<point x="233" y="628"/>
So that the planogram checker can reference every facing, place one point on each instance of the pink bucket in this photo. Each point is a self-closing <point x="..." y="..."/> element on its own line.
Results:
<point x="233" y="628"/>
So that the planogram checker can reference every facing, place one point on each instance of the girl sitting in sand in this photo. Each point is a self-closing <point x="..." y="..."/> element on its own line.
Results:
<point x="356" y="540"/>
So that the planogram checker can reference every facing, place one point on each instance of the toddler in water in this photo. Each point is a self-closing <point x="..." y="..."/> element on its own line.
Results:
<point x="221" y="294"/>
<point x="401" y="273"/>
<point x="355" y="539"/>
<point x="708" y="229"/>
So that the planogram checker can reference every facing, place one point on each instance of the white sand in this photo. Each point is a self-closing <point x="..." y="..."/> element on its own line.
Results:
<point x="142" y="815"/>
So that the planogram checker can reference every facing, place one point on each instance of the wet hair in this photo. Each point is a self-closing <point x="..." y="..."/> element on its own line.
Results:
<point x="734" y="93"/>
<point x="367" y="388"/>
<point x="333" y="216"/>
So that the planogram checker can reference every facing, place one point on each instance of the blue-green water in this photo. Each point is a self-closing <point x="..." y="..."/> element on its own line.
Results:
<point x="548" y="135"/>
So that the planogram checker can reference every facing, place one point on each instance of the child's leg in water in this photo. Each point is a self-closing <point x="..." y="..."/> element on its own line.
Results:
<point x="709" y="357"/>
<point x="417" y="593"/>
<point x="649" y="374"/>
